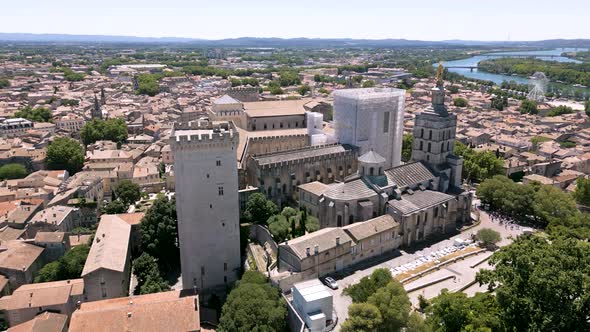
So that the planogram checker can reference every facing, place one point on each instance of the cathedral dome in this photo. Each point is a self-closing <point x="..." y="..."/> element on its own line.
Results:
<point x="371" y="164"/>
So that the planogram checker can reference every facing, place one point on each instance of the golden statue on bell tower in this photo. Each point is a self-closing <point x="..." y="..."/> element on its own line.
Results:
<point x="439" y="75"/>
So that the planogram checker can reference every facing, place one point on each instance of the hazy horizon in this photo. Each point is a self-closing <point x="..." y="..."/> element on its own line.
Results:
<point x="500" y="20"/>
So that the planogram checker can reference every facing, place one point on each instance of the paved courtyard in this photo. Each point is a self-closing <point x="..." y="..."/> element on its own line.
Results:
<point x="461" y="270"/>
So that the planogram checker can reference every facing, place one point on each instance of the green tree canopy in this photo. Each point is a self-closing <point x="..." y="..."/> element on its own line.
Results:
<point x="303" y="89"/>
<point x="278" y="227"/>
<point x="407" y="143"/>
<point x="393" y="304"/>
<point x="253" y="305"/>
<point x="488" y="237"/>
<point x="362" y="317"/>
<point x="312" y="224"/>
<point x="478" y="165"/>
<point x="111" y="129"/>
<point x="528" y="107"/>
<point x="128" y="192"/>
<point x="159" y="233"/>
<point x="541" y="285"/>
<point x="259" y="209"/>
<point x="115" y="207"/>
<point x="367" y="286"/>
<point x="148" y="84"/>
<point x="581" y="194"/>
<point x="65" y="153"/>
<point x="39" y="114"/>
<point x="13" y="171"/>
<point x="69" y="266"/>
<point x="460" y="102"/>
<point x="149" y="279"/>
<point x="4" y="83"/>
<point x="587" y="107"/>
<point x="455" y="312"/>
<point x="368" y="84"/>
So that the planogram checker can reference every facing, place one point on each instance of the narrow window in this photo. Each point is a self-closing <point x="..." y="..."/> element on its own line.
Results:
<point x="224" y="266"/>
<point x="218" y="162"/>
<point x="386" y="122"/>
<point x="220" y="191"/>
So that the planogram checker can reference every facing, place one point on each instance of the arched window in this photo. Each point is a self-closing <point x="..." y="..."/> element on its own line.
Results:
<point x="339" y="222"/>
<point x="448" y="146"/>
<point x="422" y="133"/>
<point x="430" y="134"/>
<point x="265" y="126"/>
<point x="350" y="219"/>
<point x="429" y="147"/>
<point x="442" y="147"/>
<point x="371" y="170"/>
<point x="421" y="145"/>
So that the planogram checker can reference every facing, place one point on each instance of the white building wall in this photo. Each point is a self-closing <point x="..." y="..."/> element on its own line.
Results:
<point x="371" y="119"/>
<point x="208" y="216"/>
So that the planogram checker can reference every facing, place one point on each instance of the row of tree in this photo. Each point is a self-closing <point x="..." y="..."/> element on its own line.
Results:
<point x="114" y="129"/>
<point x="38" y="114"/>
<point x="567" y="72"/>
<point x="540" y="205"/>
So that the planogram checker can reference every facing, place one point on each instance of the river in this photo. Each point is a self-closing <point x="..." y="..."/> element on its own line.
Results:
<point x="498" y="78"/>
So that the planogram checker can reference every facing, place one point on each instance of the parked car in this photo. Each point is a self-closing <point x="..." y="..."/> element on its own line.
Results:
<point x="330" y="282"/>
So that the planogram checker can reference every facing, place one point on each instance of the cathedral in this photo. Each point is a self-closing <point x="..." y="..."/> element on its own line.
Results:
<point x="424" y="196"/>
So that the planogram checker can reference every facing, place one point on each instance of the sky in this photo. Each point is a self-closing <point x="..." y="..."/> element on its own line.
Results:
<point x="432" y="20"/>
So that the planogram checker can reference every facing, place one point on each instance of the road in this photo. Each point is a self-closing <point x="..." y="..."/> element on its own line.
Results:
<point x="461" y="269"/>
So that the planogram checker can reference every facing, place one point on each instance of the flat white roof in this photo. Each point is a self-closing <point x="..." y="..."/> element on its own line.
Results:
<point x="312" y="290"/>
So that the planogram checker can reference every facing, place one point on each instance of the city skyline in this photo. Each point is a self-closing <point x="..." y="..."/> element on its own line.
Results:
<point x="433" y="21"/>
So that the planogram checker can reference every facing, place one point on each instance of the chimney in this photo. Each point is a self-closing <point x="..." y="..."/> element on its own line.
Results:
<point x="129" y="315"/>
<point x="316" y="249"/>
<point x="338" y="240"/>
<point x="307" y="251"/>
<point x="78" y="304"/>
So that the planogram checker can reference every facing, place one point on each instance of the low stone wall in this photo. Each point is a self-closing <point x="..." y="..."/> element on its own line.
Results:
<point x="263" y="236"/>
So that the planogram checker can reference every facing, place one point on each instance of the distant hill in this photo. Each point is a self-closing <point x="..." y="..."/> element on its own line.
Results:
<point x="281" y="42"/>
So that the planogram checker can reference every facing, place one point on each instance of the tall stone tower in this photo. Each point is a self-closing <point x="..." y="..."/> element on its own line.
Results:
<point x="434" y="140"/>
<point x="207" y="203"/>
<point x="371" y="119"/>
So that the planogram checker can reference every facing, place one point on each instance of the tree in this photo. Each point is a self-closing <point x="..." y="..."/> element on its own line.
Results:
<point x="368" y="84"/>
<point x="303" y="89"/>
<point x="478" y="165"/>
<point x="147" y="84"/>
<point x="159" y="233"/>
<point x="149" y="279"/>
<point x="128" y="192"/>
<point x="289" y="212"/>
<point x="407" y="143"/>
<point x="312" y="224"/>
<point x="541" y="285"/>
<point x="560" y="110"/>
<point x="65" y="153"/>
<point x="69" y="266"/>
<point x="13" y="171"/>
<point x="278" y="227"/>
<point x="581" y="194"/>
<point x="453" y="89"/>
<point x="587" y="107"/>
<point x="455" y="312"/>
<point x="4" y="83"/>
<point x="488" y="237"/>
<point x="97" y="129"/>
<point x="460" y="102"/>
<point x="39" y="114"/>
<point x="367" y="286"/>
<point x="362" y="317"/>
<point x="498" y="103"/>
<point x="73" y="76"/>
<point x="259" y="209"/>
<point x="393" y="304"/>
<point x="253" y="305"/>
<point x="417" y="324"/>
<point x="115" y="207"/>
<point x="528" y="107"/>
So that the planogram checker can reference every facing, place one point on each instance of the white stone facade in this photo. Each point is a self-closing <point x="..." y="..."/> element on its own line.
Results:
<point x="207" y="203"/>
<point x="371" y="119"/>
